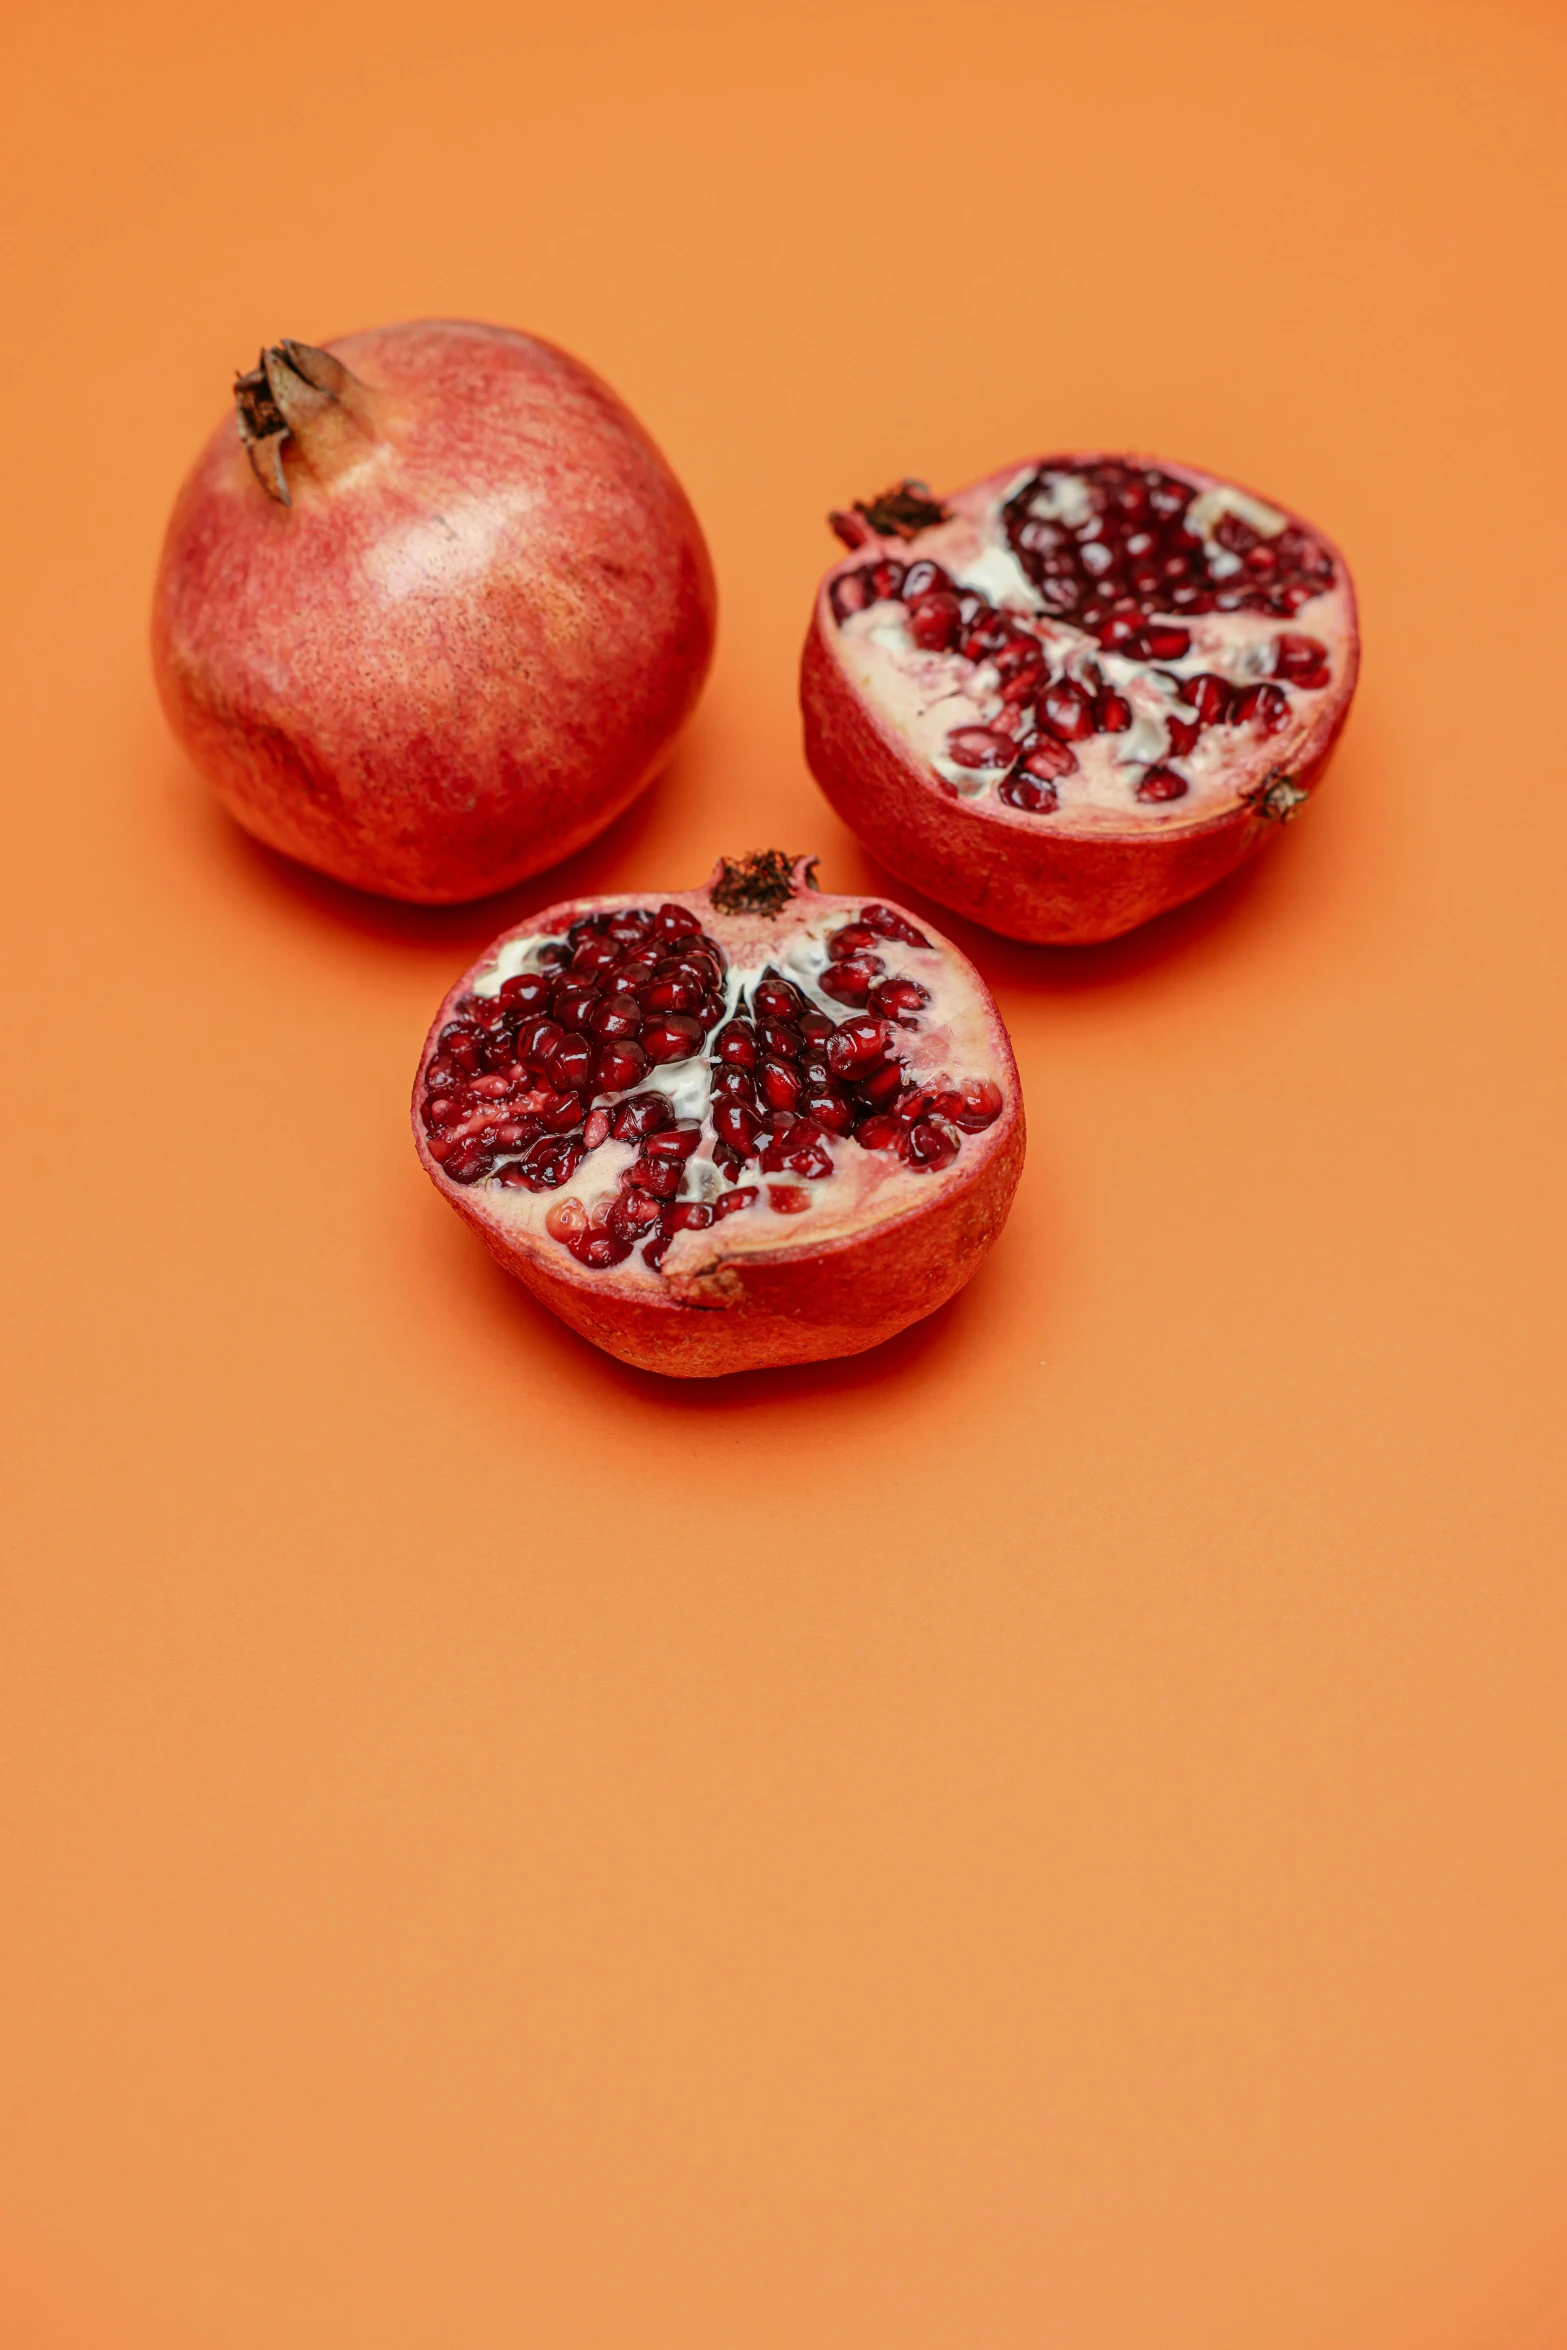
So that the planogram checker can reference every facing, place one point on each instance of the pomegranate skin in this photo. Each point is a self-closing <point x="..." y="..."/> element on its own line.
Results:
<point x="1044" y="882"/>
<point x="456" y="655"/>
<point x="743" y="1299"/>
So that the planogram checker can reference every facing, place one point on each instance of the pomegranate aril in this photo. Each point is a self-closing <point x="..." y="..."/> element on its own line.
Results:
<point x="616" y="1016"/>
<point x="980" y="746"/>
<point x="561" y="1112"/>
<point x="736" y="1045"/>
<point x="900" y="1000"/>
<point x="596" y="1129"/>
<point x="644" y="1113"/>
<point x="570" y="1065"/>
<point x="1183" y="733"/>
<point x="857" y="1047"/>
<point x="829" y="1110"/>
<point x="774" y="998"/>
<point x="851" y="982"/>
<point x="1268" y="705"/>
<point x="1047" y="760"/>
<point x="886" y="581"/>
<point x="882" y="1085"/>
<point x="849" y="594"/>
<point x="729" y="1203"/>
<point x="635" y="1213"/>
<point x="672" y="1036"/>
<point x="779" y="1084"/>
<point x="1208" y="695"/>
<point x="676" y="922"/>
<point x="599" y="1250"/>
<point x="677" y="1142"/>
<point x="470" y="1161"/>
<point x="736" y="1125"/>
<point x="977" y="1104"/>
<point x="1112" y="712"/>
<point x="1157" y="643"/>
<point x="656" y="1250"/>
<point x="924" y="579"/>
<point x="879" y="1133"/>
<point x="882" y="922"/>
<point x="1019" y="668"/>
<point x="815" y="1027"/>
<point x="537" y="1039"/>
<point x="932" y="1144"/>
<point x="855" y="938"/>
<point x="661" y="1177"/>
<point x="802" y="1151"/>
<point x="563" y="1218"/>
<point x="1157" y="784"/>
<point x="781" y="1040"/>
<point x="554" y="956"/>
<point x="526" y="991"/>
<point x="671" y="995"/>
<point x="688" y="1215"/>
<point x="1301" y="661"/>
<point x="619" y="1065"/>
<point x="734" y="1085"/>
<point x="550" y="1162"/>
<point x="787" y="1199"/>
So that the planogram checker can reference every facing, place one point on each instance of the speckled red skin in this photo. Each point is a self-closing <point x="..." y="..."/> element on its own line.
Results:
<point x="1025" y="877"/>
<point x="765" y="1308"/>
<point x="449" y="667"/>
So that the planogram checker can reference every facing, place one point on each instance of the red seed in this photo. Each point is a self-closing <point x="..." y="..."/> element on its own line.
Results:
<point x="674" y="1142"/>
<point x="1068" y="711"/>
<point x="1208" y="695"/>
<point x="688" y="1215"/>
<point x="934" y="622"/>
<point x="671" y="1037"/>
<point x="616" y="1016"/>
<point x="735" y="1045"/>
<point x="1301" y="661"/>
<point x="900" y="1000"/>
<point x="802" y="1151"/>
<point x="779" y="1084"/>
<point x="932" y="1144"/>
<point x="1269" y="705"/>
<point x="925" y="579"/>
<point x="787" y="1199"/>
<point x="644" y="1113"/>
<point x="729" y="1203"/>
<point x="980" y="746"/>
<point x="884" y="922"/>
<point x="619" y="1065"/>
<point x="777" y="999"/>
<point x="1162" y="783"/>
<point x="857" y="1047"/>
<point x="596" y="1129"/>
<point x="1112" y="712"/>
<point x="1048" y="760"/>
<point x="599" y="1250"/>
<point x="851" y="982"/>
<point x="878" y="1134"/>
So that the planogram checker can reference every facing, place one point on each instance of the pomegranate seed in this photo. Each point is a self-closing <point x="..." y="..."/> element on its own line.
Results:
<point x="886" y="581"/>
<point x="900" y="1000"/>
<point x="662" y="1177"/>
<point x="780" y="1086"/>
<point x="560" y="1112"/>
<point x="733" y="1085"/>
<point x="925" y="579"/>
<point x="1183" y="733"/>
<point x="878" y="1134"/>
<point x="849" y="595"/>
<point x="777" y="999"/>
<point x="681" y="994"/>
<point x="635" y="1213"/>
<point x="851" y="982"/>
<point x="1269" y="705"/>
<point x="736" y="1046"/>
<point x="527" y="991"/>
<point x="563" y="1218"/>
<point x="829" y="1109"/>
<point x="619" y="1065"/>
<point x="570" y="1065"/>
<point x="729" y="1203"/>
<point x="802" y="1151"/>
<point x="644" y="1113"/>
<point x="934" y="623"/>
<point x="553" y="956"/>
<point x="1208" y="695"/>
<point x="979" y="746"/>
<point x="932" y="1144"/>
<point x="882" y="1085"/>
<point x="1047" y="760"/>
<point x="815" y="1027"/>
<point x="978" y="1104"/>
<point x="599" y="1250"/>
<point x="882" y="922"/>
<point x="671" y="1037"/>
<point x="787" y="1199"/>
<point x="1162" y="783"/>
<point x="537" y="1039"/>
<point x="1020" y="665"/>
<point x="1161" y="643"/>
<point x="675" y="922"/>
<point x="596" y="1130"/>
<point x="1112" y="712"/>
<point x="857" y="1047"/>
<point x="853" y="939"/>
<point x="1301" y="660"/>
<point x="1035" y="799"/>
<point x="674" y="1142"/>
<point x="736" y="1125"/>
<point x="781" y="1040"/>
<point x="616" y="1016"/>
<point x="469" y="1162"/>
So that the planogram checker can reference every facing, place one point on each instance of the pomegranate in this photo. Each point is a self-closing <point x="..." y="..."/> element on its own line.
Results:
<point x="1079" y="691"/>
<point x="431" y="607"/>
<point x="747" y="1125"/>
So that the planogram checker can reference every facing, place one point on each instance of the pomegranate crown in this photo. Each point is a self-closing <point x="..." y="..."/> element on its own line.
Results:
<point x="762" y="883"/>
<point x="899" y="513"/>
<point x="298" y="394"/>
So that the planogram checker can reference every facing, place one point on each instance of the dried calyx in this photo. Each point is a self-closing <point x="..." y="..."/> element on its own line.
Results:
<point x="900" y="513"/>
<point x="298" y="396"/>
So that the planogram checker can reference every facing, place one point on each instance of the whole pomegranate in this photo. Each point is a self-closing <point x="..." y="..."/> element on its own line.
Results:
<point x="431" y="607"/>
<point x="747" y="1125"/>
<point x="1077" y="692"/>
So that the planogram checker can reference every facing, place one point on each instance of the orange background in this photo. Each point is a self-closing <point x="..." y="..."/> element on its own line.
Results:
<point x="1054" y="1833"/>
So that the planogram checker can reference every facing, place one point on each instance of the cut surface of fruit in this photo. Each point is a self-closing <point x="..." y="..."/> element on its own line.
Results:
<point x="1078" y="691"/>
<point x="748" y="1125"/>
<point x="431" y="607"/>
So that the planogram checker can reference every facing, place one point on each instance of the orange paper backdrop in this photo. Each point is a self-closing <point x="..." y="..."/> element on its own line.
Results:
<point x="1052" y="1834"/>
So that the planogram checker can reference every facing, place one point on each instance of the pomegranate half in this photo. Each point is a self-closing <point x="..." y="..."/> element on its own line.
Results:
<point x="431" y="609"/>
<point x="1077" y="692"/>
<point x="747" y="1125"/>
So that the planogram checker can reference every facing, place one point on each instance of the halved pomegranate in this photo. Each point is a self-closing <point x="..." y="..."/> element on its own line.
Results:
<point x="1077" y="692"/>
<point x="746" y="1125"/>
<point x="432" y="607"/>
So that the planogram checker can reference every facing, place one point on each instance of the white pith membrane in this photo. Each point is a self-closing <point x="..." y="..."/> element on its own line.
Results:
<point x="948" y="1046"/>
<point x="927" y="696"/>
